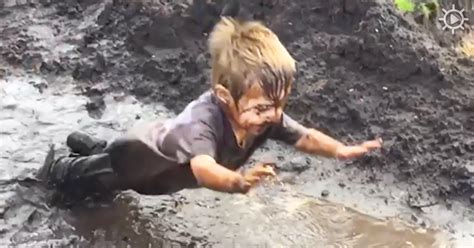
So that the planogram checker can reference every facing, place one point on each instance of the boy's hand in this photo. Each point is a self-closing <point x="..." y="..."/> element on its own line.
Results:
<point x="216" y="177"/>
<point x="254" y="175"/>
<point x="350" y="152"/>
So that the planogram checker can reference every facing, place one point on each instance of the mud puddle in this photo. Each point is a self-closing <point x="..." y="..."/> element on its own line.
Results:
<point x="276" y="215"/>
<point x="281" y="221"/>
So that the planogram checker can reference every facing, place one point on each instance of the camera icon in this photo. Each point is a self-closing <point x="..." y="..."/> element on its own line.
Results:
<point x="453" y="19"/>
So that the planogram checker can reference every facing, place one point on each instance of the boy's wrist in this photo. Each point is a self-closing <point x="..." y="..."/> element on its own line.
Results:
<point x="338" y="151"/>
<point x="238" y="183"/>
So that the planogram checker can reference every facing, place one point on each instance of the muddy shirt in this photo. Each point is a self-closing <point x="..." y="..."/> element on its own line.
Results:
<point x="203" y="129"/>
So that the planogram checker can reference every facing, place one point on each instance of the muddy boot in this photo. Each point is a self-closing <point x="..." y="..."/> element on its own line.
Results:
<point x="84" y="144"/>
<point x="78" y="177"/>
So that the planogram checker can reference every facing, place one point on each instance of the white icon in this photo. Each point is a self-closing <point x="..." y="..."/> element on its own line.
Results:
<point x="453" y="19"/>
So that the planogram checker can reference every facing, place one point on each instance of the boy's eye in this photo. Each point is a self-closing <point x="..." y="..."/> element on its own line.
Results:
<point x="263" y="108"/>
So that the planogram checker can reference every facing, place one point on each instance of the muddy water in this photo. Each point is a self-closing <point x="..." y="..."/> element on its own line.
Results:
<point x="283" y="221"/>
<point x="274" y="215"/>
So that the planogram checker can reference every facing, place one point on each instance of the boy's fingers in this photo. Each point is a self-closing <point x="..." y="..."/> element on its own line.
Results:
<point x="252" y="179"/>
<point x="267" y="171"/>
<point x="265" y="165"/>
<point x="256" y="175"/>
<point x="350" y="152"/>
<point x="373" y="144"/>
<point x="262" y="169"/>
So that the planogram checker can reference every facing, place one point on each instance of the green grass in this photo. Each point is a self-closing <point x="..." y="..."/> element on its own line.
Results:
<point x="405" y="5"/>
<point x="427" y="8"/>
<point x="430" y="8"/>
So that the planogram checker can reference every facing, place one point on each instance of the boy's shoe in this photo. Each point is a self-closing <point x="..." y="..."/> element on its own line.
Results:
<point x="77" y="175"/>
<point x="84" y="144"/>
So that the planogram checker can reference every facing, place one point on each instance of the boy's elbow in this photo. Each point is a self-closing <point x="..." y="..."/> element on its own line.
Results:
<point x="200" y="169"/>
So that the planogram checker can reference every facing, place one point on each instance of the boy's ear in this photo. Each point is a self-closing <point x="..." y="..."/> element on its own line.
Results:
<point x="223" y="95"/>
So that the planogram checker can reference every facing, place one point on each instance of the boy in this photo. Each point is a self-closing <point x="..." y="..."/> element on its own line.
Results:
<point x="252" y="74"/>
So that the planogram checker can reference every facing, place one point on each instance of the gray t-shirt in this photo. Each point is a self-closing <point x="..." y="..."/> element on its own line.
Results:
<point x="202" y="128"/>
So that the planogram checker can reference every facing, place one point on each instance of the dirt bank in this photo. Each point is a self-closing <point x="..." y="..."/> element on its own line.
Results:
<point x="364" y="71"/>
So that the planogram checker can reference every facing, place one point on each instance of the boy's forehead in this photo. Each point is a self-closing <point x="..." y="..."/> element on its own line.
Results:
<point x="256" y="93"/>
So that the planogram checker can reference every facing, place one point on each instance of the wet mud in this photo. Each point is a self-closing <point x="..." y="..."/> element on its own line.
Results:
<point x="365" y="70"/>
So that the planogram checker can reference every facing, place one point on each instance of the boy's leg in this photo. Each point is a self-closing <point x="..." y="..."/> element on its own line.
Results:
<point x="124" y="164"/>
<point x="170" y="181"/>
<point x="134" y="161"/>
<point x="84" y="144"/>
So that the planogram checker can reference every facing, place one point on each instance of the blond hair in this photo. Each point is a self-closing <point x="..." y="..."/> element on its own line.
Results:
<point x="242" y="48"/>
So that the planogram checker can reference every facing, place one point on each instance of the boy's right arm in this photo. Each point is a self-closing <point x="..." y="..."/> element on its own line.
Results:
<point x="213" y="176"/>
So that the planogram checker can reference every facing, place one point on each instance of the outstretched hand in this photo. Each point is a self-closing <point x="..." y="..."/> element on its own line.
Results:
<point x="350" y="152"/>
<point x="254" y="175"/>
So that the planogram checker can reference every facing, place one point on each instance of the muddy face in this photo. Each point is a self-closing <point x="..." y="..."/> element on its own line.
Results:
<point x="255" y="111"/>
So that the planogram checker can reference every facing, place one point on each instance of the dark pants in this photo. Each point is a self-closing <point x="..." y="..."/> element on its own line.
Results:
<point x="136" y="167"/>
<point x="129" y="162"/>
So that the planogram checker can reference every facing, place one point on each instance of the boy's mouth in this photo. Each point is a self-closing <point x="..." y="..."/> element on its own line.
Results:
<point x="260" y="128"/>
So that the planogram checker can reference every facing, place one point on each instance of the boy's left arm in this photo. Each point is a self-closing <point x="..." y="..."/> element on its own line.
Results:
<point x="312" y="141"/>
<point x="316" y="142"/>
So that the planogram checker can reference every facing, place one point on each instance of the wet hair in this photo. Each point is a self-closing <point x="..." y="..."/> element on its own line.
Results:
<point x="245" y="50"/>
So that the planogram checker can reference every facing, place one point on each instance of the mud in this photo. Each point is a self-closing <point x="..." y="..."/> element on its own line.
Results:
<point x="365" y="70"/>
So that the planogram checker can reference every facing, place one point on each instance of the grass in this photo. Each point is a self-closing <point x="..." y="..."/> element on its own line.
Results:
<point x="405" y="5"/>
<point x="427" y="8"/>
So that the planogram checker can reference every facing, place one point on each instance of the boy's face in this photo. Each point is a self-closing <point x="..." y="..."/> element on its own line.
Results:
<point x="256" y="111"/>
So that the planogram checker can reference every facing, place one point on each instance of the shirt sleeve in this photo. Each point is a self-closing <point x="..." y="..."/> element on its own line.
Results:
<point x="288" y="130"/>
<point x="192" y="137"/>
<point x="203" y="138"/>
